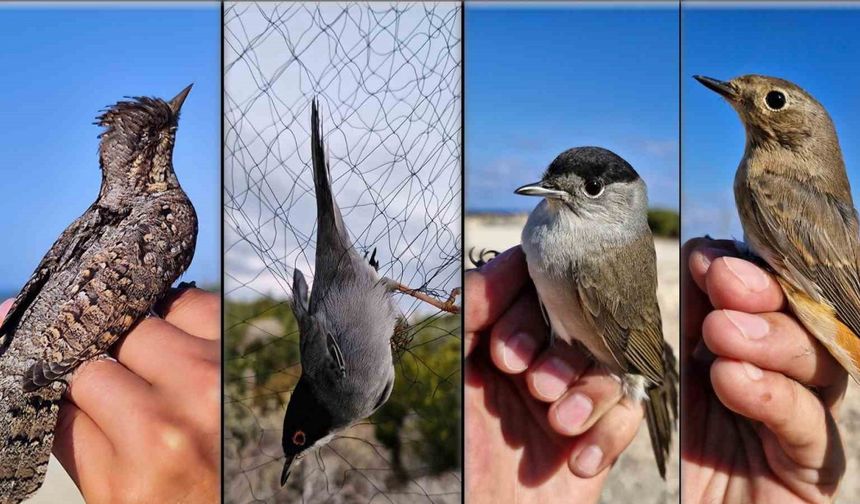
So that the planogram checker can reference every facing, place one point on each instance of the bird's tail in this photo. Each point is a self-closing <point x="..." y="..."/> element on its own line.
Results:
<point x="26" y="438"/>
<point x="661" y="410"/>
<point x="331" y="231"/>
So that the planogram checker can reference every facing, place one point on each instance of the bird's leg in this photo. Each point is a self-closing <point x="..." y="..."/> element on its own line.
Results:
<point x="482" y="258"/>
<point x="747" y="254"/>
<point x="401" y="338"/>
<point x="373" y="262"/>
<point x="186" y="285"/>
<point x="157" y="309"/>
<point x="447" y="306"/>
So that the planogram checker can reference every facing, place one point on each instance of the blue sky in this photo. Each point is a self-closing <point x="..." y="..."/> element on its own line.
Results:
<point x="60" y="66"/>
<point x="542" y="80"/>
<point x="815" y="48"/>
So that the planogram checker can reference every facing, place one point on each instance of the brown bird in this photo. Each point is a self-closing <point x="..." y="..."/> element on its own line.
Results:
<point x="795" y="205"/>
<point x="103" y="274"/>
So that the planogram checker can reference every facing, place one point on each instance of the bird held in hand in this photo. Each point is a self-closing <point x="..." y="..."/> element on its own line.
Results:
<point x="795" y="205"/>
<point x="591" y="256"/>
<point x="103" y="274"/>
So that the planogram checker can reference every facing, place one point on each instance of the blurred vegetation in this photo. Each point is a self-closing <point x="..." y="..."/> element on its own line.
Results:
<point x="427" y="395"/>
<point x="420" y="423"/>
<point x="664" y="222"/>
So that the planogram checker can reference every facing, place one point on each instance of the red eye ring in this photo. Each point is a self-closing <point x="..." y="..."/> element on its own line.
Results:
<point x="299" y="438"/>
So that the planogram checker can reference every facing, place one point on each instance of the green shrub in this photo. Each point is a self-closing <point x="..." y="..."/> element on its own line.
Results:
<point x="664" y="222"/>
<point x="420" y="423"/>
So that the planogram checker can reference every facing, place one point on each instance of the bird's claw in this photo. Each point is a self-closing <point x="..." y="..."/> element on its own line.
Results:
<point x="481" y="260"/>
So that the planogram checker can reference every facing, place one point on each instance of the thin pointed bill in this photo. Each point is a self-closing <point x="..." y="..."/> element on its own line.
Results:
<point x="722" y="88"/>
<point x="285" y="474"/>
<point x="537" y="189"/>
<point x="178" y="100"/>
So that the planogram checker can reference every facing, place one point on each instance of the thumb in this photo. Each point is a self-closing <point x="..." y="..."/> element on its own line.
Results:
<point x="5" y="306"/>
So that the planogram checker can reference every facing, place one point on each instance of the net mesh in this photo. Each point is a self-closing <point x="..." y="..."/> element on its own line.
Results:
<point x="388" y="79"/>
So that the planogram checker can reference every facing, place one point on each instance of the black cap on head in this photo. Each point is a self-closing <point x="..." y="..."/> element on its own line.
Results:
<point x="592" y="163"/>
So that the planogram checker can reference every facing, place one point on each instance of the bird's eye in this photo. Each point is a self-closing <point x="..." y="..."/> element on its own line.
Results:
<point x="299" y="438"/>
<point x="775" y="100"/>
<point x="593" y="188"/>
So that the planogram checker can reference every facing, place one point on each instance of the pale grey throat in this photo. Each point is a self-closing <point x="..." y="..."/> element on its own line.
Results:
<point x="562" y="232"/>
<point x="591" y="256"/>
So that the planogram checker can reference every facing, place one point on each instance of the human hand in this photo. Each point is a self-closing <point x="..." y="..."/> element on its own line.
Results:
<point x="760" y="395"/>
<point x="146" y="427"/>
<point x="540" y="424"/>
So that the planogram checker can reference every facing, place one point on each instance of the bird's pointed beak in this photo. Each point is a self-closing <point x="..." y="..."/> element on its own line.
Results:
<point x="178" y="100"/>
<point x="285" y="474"/>
<point x="722" y="88"/>
<point x="537" y="189"/>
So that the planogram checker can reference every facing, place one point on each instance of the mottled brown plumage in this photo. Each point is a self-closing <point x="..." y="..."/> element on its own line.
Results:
<point x="99" y="278"/>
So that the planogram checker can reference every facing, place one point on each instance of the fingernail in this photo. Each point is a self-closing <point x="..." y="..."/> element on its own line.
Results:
<point x="518" y="352"/>
<point x="752" y="372"/>
<point x="589" y="459"/>
<point x="552" y="377"/>
<point x="706" y="255"/>
<point x="750" y="326"/>
<point x="574" y="411"/>
<point x="748" y="273"/>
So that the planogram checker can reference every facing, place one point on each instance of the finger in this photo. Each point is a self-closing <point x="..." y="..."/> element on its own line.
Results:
<point x="103" y="387"/>
<point x="161" y="353"/>
<point x="83" y="450"/>
<point x="772" y="341"/>
<point x="737" y="284"/>
<point x="489" y="291"/>
<point x="603" y="443"/>
<point x="195" y="311"/>
<point x="585" y="402"/>
<point x="5" y="306"/>
<point x="791" y="411"/>
<point x="555" y="370"/>
<point x="702" y="252"/>
<point x="517" y="336"/>
<point x="822" y="478"/>
<point x="470" y="341"/>
<point x="696" y="304"/>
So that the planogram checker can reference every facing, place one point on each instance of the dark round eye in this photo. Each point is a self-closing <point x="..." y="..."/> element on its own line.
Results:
<point x="593" y="188"/>
<point x="775" y="100"/>
<point x="299" y="438"/>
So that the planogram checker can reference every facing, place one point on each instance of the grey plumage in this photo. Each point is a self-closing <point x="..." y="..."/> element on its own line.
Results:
<point x="345" y="328"/>
<point x="99" y="278"/>
<point x="591" y="256"/>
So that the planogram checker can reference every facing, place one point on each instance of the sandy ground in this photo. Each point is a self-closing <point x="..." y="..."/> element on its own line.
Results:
<point x="58" y="487"/>
<point x="634" y="477"/>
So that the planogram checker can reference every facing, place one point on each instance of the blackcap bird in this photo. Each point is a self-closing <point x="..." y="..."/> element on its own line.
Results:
<point x="345" y="327"/>
<point x="591" y="256"/>
<point x="795" y="205"/>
